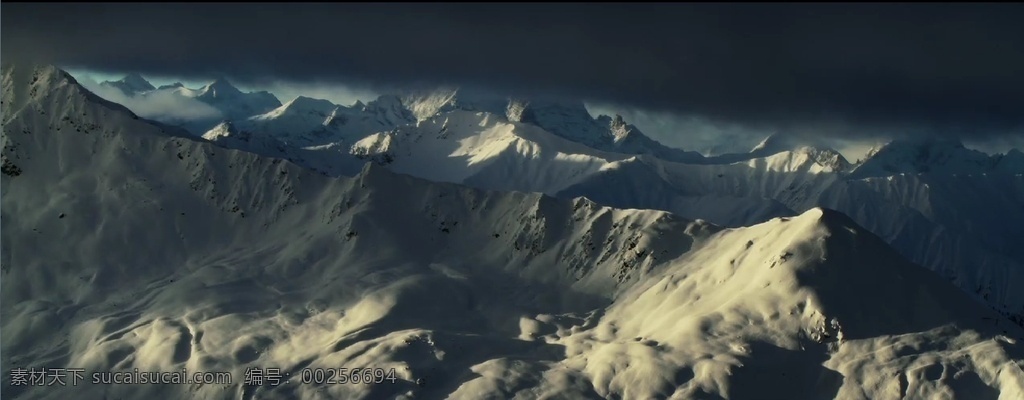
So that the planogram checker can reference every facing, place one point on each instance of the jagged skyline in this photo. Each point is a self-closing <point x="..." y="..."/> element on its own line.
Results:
<point x="684" y="133"/>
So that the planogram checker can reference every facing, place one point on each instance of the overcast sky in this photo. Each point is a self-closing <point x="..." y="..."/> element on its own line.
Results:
<point x="850" y="71"/>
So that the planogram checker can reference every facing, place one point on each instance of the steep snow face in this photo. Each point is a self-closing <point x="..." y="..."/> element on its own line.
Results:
<point x="131" y="85"/>
<point x="929" y="156"/>
<point x="126" y="248"/>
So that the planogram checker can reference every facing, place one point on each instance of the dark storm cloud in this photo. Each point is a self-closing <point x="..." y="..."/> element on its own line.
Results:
<point x="936" y="65"/>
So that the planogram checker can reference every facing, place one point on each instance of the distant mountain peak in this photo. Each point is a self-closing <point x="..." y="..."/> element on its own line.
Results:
<point x="620" y="130"/>
<point x="305" y="103"/>
<point x="221" y="87"/>
<point x="301" y="106"/>
<point x="137" y="81"/>
<point x="131" y="84"/>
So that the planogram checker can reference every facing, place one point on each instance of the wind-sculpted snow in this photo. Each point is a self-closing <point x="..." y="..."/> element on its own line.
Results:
<point x="124" y="247"/>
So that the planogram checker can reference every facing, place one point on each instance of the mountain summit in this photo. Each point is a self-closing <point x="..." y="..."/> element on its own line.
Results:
<point x="220" y="88"/>
<point x="131" y="84"/>
<point x="232" y="102"/>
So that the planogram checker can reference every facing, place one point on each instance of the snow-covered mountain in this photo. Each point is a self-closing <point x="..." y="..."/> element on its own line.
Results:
<point x="132" y="84"/>
<point x="127" y="247"/>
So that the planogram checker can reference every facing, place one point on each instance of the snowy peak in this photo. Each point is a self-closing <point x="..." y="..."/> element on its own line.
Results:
<point x="222" y="131"/>
<point x="232" y="102"/>
<point x="775" y="143"/>
<point x="309" y="103"/>
<point x="842" y="261"/>
<point x="131" y="84"/>
<point x="806" y="292"/>
<point x="619" y="128"/>
<point x="303" y="106"/>
<point x="815" y="267"/>
<point x="26" y="86"/>
<point x="220" y="88"/>
<point x="931" y="156"/>
<point x="137" y="81"/>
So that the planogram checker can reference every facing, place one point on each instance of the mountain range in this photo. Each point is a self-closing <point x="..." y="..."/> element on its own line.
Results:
<point x="957" y="211"/>
<point x="483" y="255"/>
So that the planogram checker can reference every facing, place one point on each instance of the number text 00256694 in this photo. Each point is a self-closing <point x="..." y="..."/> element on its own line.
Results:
<point x="343" y="376"/>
